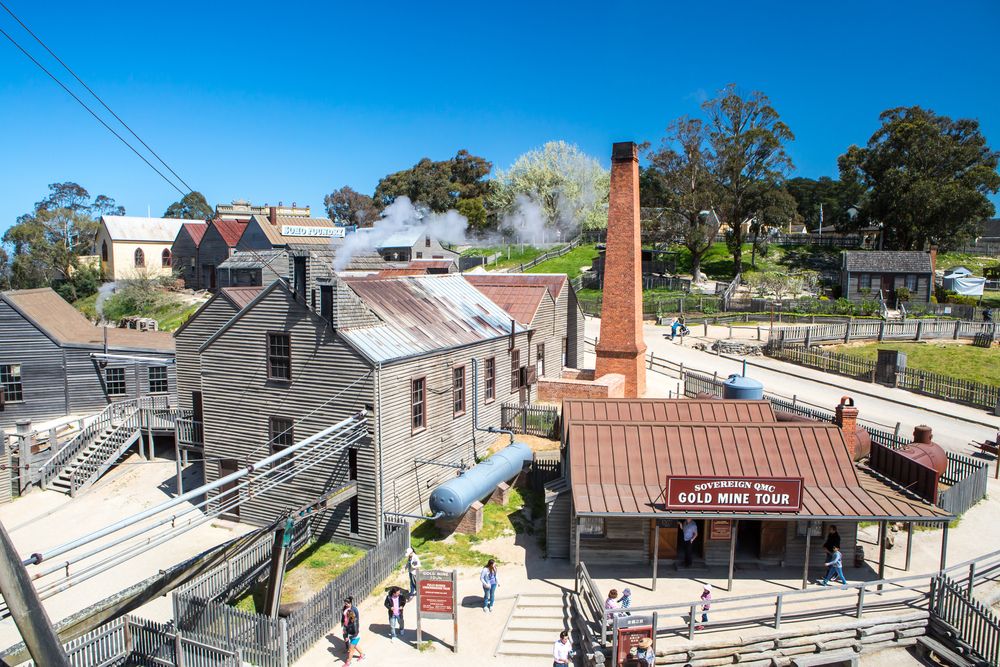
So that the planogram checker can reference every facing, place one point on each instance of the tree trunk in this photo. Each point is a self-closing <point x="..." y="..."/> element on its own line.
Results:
<point x="696" y="263"/>
<point x="738" y="258"/>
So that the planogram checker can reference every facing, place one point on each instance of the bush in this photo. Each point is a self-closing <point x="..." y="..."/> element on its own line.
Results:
<point x="869" y="307"/>
<point x="843" y="306"/>
<point x="902" y="294"/>
<point x="141" y="297"/>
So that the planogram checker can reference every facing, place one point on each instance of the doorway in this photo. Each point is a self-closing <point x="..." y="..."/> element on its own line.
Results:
<point x="888" y="291"/>
<point x="228" y="467"/>
<point x="748" y="540"/>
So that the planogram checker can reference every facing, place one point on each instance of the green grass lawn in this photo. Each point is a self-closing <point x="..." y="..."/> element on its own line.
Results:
<point x="975" y="263"/>
<point x="571" y="263"/>
<point x="991" y="299"/>
<point x="313" y="568"/>
<point x="510" y="255"/>
<point x="87" y="306"/>
<point x="463" y="550"/>
<point x="953" y="359"/>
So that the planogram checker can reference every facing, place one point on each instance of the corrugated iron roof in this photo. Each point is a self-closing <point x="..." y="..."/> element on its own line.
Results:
<point x="135" y="228"/>
<point x="666" y="410"/>
<point x="621" y="467"/>
<point x="67" y="326"/>
<point x="431" y="264"/>
<point x="887" y="261"/>
<point x="274" y="235"/>
<point x="196" y="230"/>
<point x="520" y="301"/>
<point x="241" y="296"/>
<point x="230" y="230"/>
<point x="553" y="281"/>
<point x="257" y="259"/>
<point x="421" y="314"/>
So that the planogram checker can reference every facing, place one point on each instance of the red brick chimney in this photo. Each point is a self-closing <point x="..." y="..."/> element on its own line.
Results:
<point x="933" y="253"/>
<point x="621" y="348"/>
<point x="847" y="420"/>
<point x="272" y="215"/>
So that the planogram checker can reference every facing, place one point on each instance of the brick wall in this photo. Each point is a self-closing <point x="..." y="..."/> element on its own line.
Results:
<point x="610" y="385"/>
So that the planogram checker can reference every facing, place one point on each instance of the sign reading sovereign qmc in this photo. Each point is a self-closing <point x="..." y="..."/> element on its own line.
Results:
<point x="739" y="494"/>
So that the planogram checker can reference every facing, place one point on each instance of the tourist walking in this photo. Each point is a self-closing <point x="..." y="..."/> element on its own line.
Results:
<point x="562" y="650"/>
<point x="834" y="568"/>
<point x="644" y="652"/>
<point x="611" y="602"/>
<point x="394" y="603"/>
<point x="353" y="637"/>
<point x="625" y="601"/>
<point x="706" y="599"/>
<point x="689" y="533"/>
<point x="488" y="578"/>
<point x="412" y="565"/>
<point x="347" y="609"/>
<point x="832" y="540"/>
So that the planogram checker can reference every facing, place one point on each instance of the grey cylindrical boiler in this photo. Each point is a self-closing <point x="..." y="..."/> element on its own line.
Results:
<point x="452" y="498"/>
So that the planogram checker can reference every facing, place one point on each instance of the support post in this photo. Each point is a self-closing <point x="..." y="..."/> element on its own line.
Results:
<point x="576" y="549"/>
<point x="805" y="566"/>
<point x="177" y="461"/>
<point x="882" y="530"/>
<point x="732" y="552"/>
<point x="656" y="550"/>
<point x="276" y="576"/>
<point x="454" y="606"/>
<point x="909" y="544"/>
<point x="29" y="616"/>
<point x="944" y="548"/>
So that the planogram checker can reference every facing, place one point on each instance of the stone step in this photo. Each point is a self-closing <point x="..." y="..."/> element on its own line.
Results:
<point x="538" y="612"/>
<point x="549" y="626"/>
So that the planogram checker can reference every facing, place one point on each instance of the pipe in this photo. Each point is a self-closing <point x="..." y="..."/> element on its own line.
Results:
<point x="129" y="357"/>
<point x="475" y="411"/>
<point x="36" y="558"/>
<point x="432" y="517"/>
<point x="378" y="441"/>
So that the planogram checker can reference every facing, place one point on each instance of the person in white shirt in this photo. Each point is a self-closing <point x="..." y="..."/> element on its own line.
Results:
<point x="562" y="650"/>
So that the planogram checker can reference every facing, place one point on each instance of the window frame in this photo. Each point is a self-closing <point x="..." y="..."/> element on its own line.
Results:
<point x="139" y="258"/>
<point x="165" y="380"/>
<point x="490" y="380"/>
<point x="458" y="391"/>
<point x="104" y="250"/>
<point x="10" y="382"/>
<point x="166" y="258"/>
<point x="540" y="359"/>
<point x="288" y="433"/>
<point x="271" y="377"/>
<point x="910" y="283"/>
<point x="864" y="281"/>
<point x="515" y="370"/>
<point x="108" y="381"/>
<point x="591" y="533"/>
<point x="423" y="404"/>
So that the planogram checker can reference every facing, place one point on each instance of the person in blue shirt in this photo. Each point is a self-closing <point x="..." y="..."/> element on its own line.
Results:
<point x="834" y="568"/>
<point x="689" y="533"/>
<point x="488" y="578"/>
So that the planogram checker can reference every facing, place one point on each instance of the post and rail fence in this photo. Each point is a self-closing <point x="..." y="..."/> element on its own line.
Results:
<point x="529" y="419"/>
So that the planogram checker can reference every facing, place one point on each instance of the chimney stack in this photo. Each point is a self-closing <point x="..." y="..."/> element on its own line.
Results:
<point x="272" y="214"/>
<point x="847" y="420"/>
<point x="933" y="253"/>
<point x="621" y="348"/>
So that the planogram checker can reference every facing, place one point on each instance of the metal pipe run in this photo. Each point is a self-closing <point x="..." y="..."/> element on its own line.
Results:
<point x="128" y="357"/>
<point x="36" y="558"/>
<point x="432" y="517"/>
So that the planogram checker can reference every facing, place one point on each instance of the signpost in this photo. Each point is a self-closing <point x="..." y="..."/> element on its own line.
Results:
<point x="740" y="494"/>
<point x="628" y="630"/>
<point x="437" y="598"/>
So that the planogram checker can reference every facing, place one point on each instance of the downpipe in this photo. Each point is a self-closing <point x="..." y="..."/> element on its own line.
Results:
<point x="475" y="412"/>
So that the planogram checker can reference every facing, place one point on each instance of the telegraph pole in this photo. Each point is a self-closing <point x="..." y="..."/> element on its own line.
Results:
<point x="32" y="622"/>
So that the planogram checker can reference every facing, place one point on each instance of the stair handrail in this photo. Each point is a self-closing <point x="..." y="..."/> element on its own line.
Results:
<point x="89" y="470"/>
<point x="65" y="454"/>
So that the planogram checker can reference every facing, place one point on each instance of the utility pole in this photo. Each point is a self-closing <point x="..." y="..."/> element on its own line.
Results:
<point x="821" y="219"/>
<point x="32" y="622"/>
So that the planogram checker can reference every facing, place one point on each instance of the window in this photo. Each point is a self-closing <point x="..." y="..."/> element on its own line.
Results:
<point x="515" y="370"/>
<point x="427" y="242"/>
<point x="10" y="382"/>
<point x="458" y="391"/>
<point x="911" y="282"/>
<point x="158" y="380"/>
<point x="418" y="404"/>
<point x="104" y="251"/>
<point x="491" y="379"/>
<point x="279" y="356"/>
<point x="114" y="381"/>
<point x="281" y="433"/>
<point x="140" y="258"/>
<point x="420" y="255"/>
<point x="864" y="281"/>
<point x="591" y="526"/>
<point x="165" y="257"/>
<point x="540" y="360"/>
<point x="352" y="472"/>
<point x="326" y="302"/>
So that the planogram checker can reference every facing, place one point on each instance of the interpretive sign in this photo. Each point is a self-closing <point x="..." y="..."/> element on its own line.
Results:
<point x="739" y="494"/>
<point x="437" y="598"/>
<point x="628" y="631"/>
<point x="720" y="529"/>
<point x="309" y="230"/>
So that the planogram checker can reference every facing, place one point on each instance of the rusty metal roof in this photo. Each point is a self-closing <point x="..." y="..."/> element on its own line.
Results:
<point x="520" y="301"/>
<point x="430" y="264"/>
<point x="554" y="282"/>
<point x="666" y="410"/>
<point x="621" y="468"/>
<point x="422" y="314"/>
<point x="230" y="230"/>
<point x="241" y="296"/>
<point x="195" y="230"/>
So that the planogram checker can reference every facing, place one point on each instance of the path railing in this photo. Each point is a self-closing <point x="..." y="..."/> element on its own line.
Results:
<point x="539" y="420"/>
<point x="969" y="622"/>
<point x="915" y="330"/>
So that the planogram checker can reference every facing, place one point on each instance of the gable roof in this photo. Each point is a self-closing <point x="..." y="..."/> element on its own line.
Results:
<point x="230" y="230"/>
<point x="257" y="259"/>
<point x="423" y="314"/>
<point x="887" y="261"/>
<point x="276" y="238"/>
<point x="520" y="301"/>
<point x="195" y="230"/>
<point x="65" y="325"/>
<point x="241" y="297"/>
<point x="405" y="238"/>
<point x="991" y="229"/>
<point x="554" y="282"/>
<point x="134" y="228"/>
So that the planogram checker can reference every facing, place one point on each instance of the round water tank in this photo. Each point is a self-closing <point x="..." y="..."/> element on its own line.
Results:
<point x="452" y="498"/>
<point x="928" y="453"/>
<point x="743" y="388"/>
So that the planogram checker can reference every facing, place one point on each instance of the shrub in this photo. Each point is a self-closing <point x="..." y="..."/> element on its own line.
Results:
<point x="843" y="306"/>
<point x="903" y="294"/>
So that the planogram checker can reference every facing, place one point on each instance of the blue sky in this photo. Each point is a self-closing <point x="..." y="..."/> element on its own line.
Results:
<point x="289" y="101"/>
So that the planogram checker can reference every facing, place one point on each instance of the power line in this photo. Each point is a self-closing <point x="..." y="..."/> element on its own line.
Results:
<point x="89" y="110"/>
<point x="96" y="96"/>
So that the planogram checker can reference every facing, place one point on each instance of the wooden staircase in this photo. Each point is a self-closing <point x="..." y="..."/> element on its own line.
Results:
<point x="95" y="458"/>
<point x="534" y="625"/>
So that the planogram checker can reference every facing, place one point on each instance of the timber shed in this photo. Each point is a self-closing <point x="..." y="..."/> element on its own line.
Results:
<point x="866" y="273"/>
<point x="55" y="362"/>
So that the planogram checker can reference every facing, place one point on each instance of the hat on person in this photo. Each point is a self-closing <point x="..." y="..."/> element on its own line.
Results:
<point x="645" y="642"/>
<point x="409" y="551"/>
<point x="707" y="587"/>
<point x="627" y="591"/>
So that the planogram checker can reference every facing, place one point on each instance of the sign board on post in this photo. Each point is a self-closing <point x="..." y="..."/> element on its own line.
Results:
<point x="628" y="630"/>
<point x="437" y="598"/>
<point x="740" y="494"/>
<point x="309" y="230"/>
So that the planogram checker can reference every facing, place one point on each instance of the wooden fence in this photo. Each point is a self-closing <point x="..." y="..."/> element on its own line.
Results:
<point x="915" y="330"/>
<point x="539" y="420"/>
<point x="964" y="621"/>
<point x="830" y="362"/>
<point x="543" y="470"/>
<point x="521" y="268"/>
<point x="967" y="481"/>
<point x="950" y="389"/>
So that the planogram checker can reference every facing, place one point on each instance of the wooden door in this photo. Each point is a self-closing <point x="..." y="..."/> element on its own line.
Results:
<point x="668" y="540"/>
<point x="197" y="408"/>
<point x="772" y="539"/>
<point x="228" y="467"/>
<point x="888" y="290"/>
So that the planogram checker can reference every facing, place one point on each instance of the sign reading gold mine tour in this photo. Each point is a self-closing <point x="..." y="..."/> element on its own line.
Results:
<point x="734" y="494"/>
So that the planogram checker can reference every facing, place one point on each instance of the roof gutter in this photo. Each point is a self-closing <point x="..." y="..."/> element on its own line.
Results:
<point x="763" y="517"/>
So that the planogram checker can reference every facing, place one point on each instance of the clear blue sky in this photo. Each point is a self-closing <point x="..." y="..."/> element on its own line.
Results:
<point x="290" y="100"/>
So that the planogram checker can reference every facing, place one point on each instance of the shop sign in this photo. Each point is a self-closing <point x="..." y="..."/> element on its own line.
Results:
<point x="628" y="631"/>
<point x="735" y="494"/>
<point x="437" y="598"/>
<point x="720" y="529"/>
<point x="309" y="230"/>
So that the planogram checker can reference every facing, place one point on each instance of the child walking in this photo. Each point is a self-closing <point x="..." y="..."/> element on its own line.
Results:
<point x="834" y="568"/>
<point x="354" y="636"/>
<point x="706" y="598"/>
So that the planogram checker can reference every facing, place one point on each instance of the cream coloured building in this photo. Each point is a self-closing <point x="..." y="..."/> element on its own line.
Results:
<point x="133" y="246"/>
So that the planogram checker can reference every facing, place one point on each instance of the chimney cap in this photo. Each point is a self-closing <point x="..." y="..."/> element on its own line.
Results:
<point x="623" y="151"/>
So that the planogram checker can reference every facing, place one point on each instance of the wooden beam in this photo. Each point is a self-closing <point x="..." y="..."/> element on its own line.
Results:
<point x="805" y="565"/>
<point x="656" y="550"/>
<point x="732" y="551"/>
<point x="882" y="530"/>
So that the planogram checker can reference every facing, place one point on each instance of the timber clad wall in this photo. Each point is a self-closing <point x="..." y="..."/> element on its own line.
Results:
<point x="41" y="362"/>
<point x="212" y="251"/>
<point x="851" y="285"/>
<point x="202" y="325"/>
<point x="574" y="327"/>
<point x="328" y="377"/>
<point x="545" y="331"/>
<point x="184" y="261"/>
<point x="349" y="310"/>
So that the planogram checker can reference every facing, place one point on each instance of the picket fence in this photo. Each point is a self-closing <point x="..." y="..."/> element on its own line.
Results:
<point x="915" y="330"/>
<point x="539" y="420"/>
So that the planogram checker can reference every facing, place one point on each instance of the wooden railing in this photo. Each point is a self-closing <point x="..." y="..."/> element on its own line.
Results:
<point x="190" y="432"/>
<point x="521" y="268"/>
<point x="539" y="420"/>
<point x="829" y="362"/>
<point x="972" y="625"/>
<point x="124" y="435"/>
<point x="915" y="330"/>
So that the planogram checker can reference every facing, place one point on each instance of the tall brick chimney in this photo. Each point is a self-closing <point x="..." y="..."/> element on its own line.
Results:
<point x="272" y="215"/>
<point x="933" y="253"/>
<point x="621" y="348"/>
<point x="847" y="420"/>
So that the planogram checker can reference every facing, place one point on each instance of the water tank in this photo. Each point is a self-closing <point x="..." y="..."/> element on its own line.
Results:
<point x="456" y="495"/>
<point x="743" y="388"/>
<point x="924" y="450"/>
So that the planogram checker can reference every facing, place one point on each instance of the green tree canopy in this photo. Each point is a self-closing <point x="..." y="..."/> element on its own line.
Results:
<point x="925" y="177"/>
<point x="569" y="186"/>
<point x="835" y="195"/>
<point x="192" y="206"/>
<point x="437" y="185"/>
<point x="46" y="243"/>
<point x="346" y="206"/>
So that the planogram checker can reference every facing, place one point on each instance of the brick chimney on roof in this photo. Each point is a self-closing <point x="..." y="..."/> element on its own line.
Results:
<point x="621" y="348"/>
<point x="272" y="214"/>
<point x="847" y="420"/>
